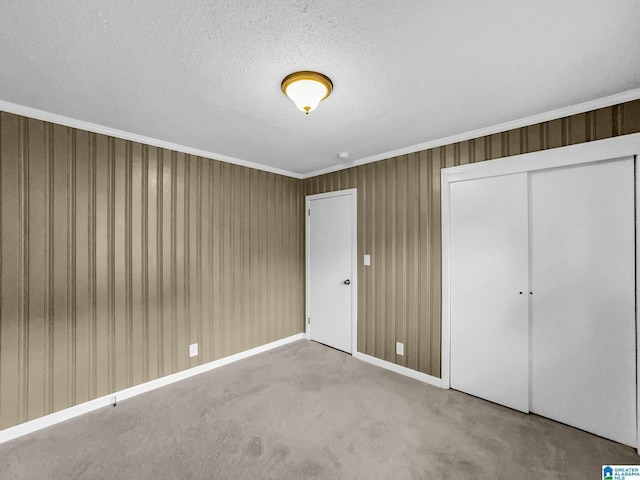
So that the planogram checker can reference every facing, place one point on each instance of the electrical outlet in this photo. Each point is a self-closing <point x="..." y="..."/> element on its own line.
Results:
<point x="399" y="348"/>
<point x="367" y="260"/>
<point x="193" y="350"/>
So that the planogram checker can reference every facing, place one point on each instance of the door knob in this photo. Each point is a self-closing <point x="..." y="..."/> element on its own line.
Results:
<point x="347" y="282"/>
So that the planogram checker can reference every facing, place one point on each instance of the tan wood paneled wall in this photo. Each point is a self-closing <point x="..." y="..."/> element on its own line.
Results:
<point x="115" y="256"/>
<point x="399" y="225"/>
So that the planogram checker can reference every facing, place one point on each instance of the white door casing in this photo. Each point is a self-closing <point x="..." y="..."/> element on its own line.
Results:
<point x="331" y="269"/>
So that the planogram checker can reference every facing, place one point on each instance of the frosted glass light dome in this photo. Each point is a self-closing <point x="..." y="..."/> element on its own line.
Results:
<point x="307" y="89"/>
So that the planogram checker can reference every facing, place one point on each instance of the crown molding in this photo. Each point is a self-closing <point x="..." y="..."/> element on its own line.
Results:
<point x="481" y="132"/>
<point x="607" y="101"/>
<point x="112" y="132"/>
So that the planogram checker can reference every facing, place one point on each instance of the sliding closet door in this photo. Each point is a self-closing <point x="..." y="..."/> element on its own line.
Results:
<point x="489" y="305"/>
<point x="583" y="328"/>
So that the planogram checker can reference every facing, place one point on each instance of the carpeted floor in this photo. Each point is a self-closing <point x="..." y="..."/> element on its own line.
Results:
<point x="308" y="411"/>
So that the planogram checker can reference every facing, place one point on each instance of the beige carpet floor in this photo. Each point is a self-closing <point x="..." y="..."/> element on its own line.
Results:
<point x="308" y="411"/>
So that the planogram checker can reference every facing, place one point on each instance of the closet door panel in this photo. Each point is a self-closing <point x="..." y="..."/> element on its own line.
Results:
<point x="583" y="281"/>
<point x="489" y="315"/>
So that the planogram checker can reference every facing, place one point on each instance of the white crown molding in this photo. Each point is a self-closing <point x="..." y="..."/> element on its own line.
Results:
<point x="112" y="132"/>
<point x="614" y="99"/>
<point x="481" y="132"/>
<point x="113" y="398"/>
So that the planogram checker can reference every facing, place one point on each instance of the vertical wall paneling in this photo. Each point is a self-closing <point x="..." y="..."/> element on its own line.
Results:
<point x="92" y="261"/>
<point x="391" y="236"/>
<point x="131" y="269"/>
<point x="410" y="257"/>
<point x="160" y="257"/>
<point x="9" y="274"/>
<point x="235" y="266"/>
<point x="171" y="293"/>
<point x="263" y="270"/>
<point x="215" y="259"/>
<point x="245" y="262"/>
<point x="137" y="331"/>
<point x="185" y="279"/>
<point x="115" y="256"/>
<point x="60" y="325"/>
<point x="151" y="269"/>
<point x="71" y="299"/>
<point x="204" y="239"/>
<point x="36" y="189"/>
<point x="195" y="335"/>
<point x="49" y="272"/>
<point x="179" y="268"/>
<point x="122" y="311"/>
<point x="254" y="224"/>
<point x="224" y="245"/>
<point x="377" y="315"/>
<point x="146" y="204"/>
<point x="424" y="259"/>
<point x="270" y="236"/>
<point x="399" y="225"/>
<point x="23" y="272"/>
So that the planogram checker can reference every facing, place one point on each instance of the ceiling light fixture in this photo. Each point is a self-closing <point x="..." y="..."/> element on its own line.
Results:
<point x="307" y="89"/>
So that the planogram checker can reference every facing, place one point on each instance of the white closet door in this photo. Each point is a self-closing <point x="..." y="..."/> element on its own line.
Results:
<point x="583" y="328"/>
<point x="489" y="305"/>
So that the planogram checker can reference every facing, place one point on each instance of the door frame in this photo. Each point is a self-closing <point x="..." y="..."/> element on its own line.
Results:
<point x="595" y="151"/>
<point x="353" y="193"/>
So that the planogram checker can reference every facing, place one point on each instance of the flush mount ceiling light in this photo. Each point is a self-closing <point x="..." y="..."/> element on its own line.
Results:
<point x="306" y="89"/>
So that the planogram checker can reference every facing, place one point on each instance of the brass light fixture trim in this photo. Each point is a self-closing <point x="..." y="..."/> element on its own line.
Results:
<point x="307" y="99"/>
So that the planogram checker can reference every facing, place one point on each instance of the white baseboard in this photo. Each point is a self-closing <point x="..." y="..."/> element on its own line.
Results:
<point x="86" y="407"/>
<point x="407" y="372"/>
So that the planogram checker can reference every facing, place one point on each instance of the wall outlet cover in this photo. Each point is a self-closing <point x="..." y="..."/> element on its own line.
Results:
<point x="399" y="348"/>
<point x="367" y="260"/>
<point x="193" y="350"/>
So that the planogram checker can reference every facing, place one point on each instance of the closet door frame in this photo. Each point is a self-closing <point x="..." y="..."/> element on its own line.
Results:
<point x="623" y="146"/>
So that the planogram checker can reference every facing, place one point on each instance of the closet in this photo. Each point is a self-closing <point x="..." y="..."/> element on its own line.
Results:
<point x="539" y="286"/>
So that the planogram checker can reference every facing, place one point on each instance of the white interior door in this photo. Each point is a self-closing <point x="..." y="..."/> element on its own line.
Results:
<point x="489" y="304"/>
<point x="330" y="268"/>
<point x="583" y="283"/>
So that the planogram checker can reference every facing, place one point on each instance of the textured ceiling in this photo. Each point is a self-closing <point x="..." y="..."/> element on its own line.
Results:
<point x="206" y="74"/>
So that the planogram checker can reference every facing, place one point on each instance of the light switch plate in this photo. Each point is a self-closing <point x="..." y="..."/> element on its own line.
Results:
<point x="399" y="348"/>
<point x="193" y="350"/>
<point x="367" y="260"/>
